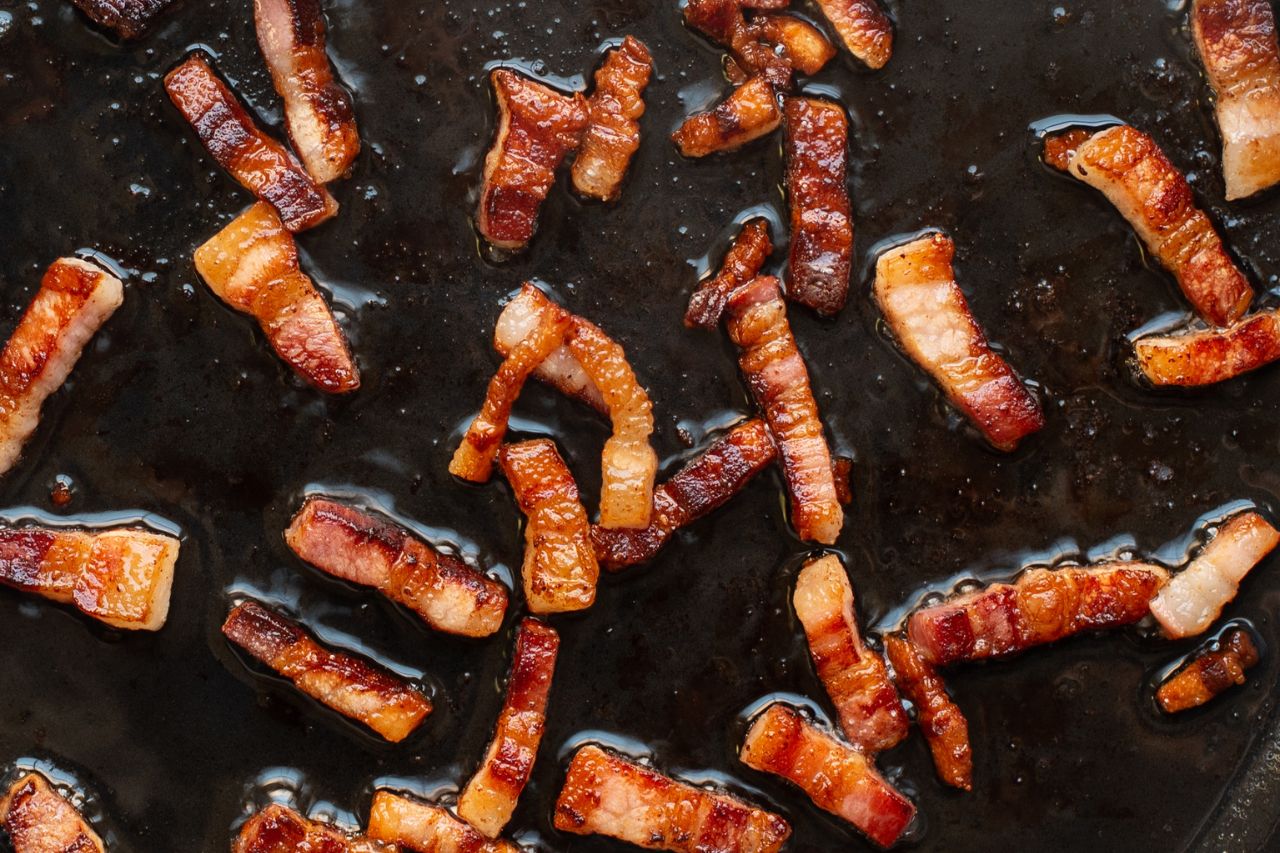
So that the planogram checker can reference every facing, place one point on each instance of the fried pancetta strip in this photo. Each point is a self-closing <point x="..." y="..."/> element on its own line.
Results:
<point x="802" y="44"/>
<point x="706" y="483"/>
<point x="490" y="797"/>
<point x="423" y="828"/>
<point x="1237" y="44"/>
<point x="1191" y="602"/>
<point x="837" y="777"/>
<point x="40" y="820"/>
<point x="352" y="686"/>
<point x="753" y="53"/>
<point x="613" y="136"/>
<point x="1212" y="671"/>
<point x="537" y="127"/>
<point x="1192" y="359"/>
<point x="871" y="715"/>
<point x="863" y="27"/>
<point x="1042" y="606"/>
<point x="252" y="265"/>
<point x="129" y="19"/>
<point x="940" y="719"/>
<point x="750" y="249"/>
<point x="317" y="111"/>
<point x="277" y="829"/>
<point x="519" y="319"/>
<point x="74" y="300"/>
<point x="779" y="381"/>
<point x="262" y="166"/>
<point x="750" y="112"/>
<point x="1129" y="168"/>
<point x="560" y="569"/>
<point x="918" y="295"/>
<point x="606" y="794"/>
<point x="370" y="550"/>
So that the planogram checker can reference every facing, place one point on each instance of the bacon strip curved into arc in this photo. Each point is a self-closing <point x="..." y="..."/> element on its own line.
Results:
<point x="424" y="828"/>
<point x="940" y="719"/>
<point x="750" y="249"/>
<point x="129" y="19"/>
<point x="1194" y="359"/>
<point x="38" y="819"/>
<point x="519" y="319"/>
<point x="1213" y="670"/>
<point x="750" y="112"/>
<point x="863" y="27"/>
<point x="615" y="107"/>
<point x="277" y="829"/>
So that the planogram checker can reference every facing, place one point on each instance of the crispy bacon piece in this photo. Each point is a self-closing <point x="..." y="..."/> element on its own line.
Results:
<point x="74" y="300"/>
<point x="613" y="136"/>
<point x="129" y="19"/>
<point x="871" y="715"/>
<point x="705" y="484"/>
<point x="262" y="166"/>
<point x="608" y="795"/>
<point x="277" y="829"/>
<point x="779" y="381"/>
<point x="1193" y="359"/>
<point x="750" y="112"/>
<point x="837" y="777"/>
<point x="941" y="720"/>
<point x="917" y="292"/>
<point x="753" y="53"/>
<point x="370" y="550"/>
<point x="560" y="569"/>
<point x="40" y="820"/>
<point x="863" y="27"/>
<point x="1040" y="607"/>
<point x="423" y="828"/>
<point x="802" y="44"/>
<point x="537" y="127"/>
<point x="1191" y="602"/>
<point x="1129" y="168"/>
<point x="519" y="319"/>
<point x="350" y="685"/>
<point x="750" y="249"/>
<point x="1212" y="671"/>
<point x="252" y="265"/>
<point x="317" y="111"/>
<point x="490" y="797"/>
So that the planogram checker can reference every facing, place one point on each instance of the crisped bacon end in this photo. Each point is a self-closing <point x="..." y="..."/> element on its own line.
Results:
<point x="1194" y="359"/>
<point x="1212" y="671"/>
<point x="743" y="262"/>
<point x="940" y="719"/>
<point x="38" y="819"/>
<point x="863" y="27"/>
<point x="749" y="113"/>
<point x="130" y="19"/>
<point x="424" y="828"/>
<point x="277" y="829"/>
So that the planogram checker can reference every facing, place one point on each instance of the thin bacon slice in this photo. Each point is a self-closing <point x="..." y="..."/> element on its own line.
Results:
<point x="490" y="797"/>
<point x="871" y="715"/>
<point x="40" y="820"/>
<point x="613" y="136"/>
<point x="749" y="113"/>
<point x="706" y="483"/>
<point x="560" y="569"/>
<point x="277" y="829"/>
<point x="1193" y="359"/>
<point x="837" y="777"/>
<point x="317" y="111"/>
<point x="518" y="320"/>
<point x="352" y="686"/>
<point x="252" y="265"/>
<point x="779" y="381"/>
<point x="802" y="44"/>
<point x="74" y="300"/>
<point x="1129" y="168"/>
<point x="129" y="19"/>
<point x="261" y="165"/>
<point x="370" y="550"/>
<point x="537" y="127"/>
<point x="1212" y="671"/>
<point x="750" y="249"/>
<point x="606" y="794"/>
<point x="863" y="27"/>
<point x="917" y="292"/>
<point x="1042" y="606"/>
<point x="1193" y="600"/>
<point x="940" y="719"/>
<point x="423" y="828"/>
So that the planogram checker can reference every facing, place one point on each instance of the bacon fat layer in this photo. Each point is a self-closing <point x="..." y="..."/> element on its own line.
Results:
<point x="130" y="19"/>
<point x="750" y="249"/>
<point x="749" y="113"/>
<point x="40" y="820"/>
<point x="1193" y="359"/>
<point x="424" y="828"/>
<point x="863" y="27"/>
<point x="522" y="316"/>
<point x="1212" y="671"/>
<point x="940" y="719"/>
<point x="277" y="829"/>
<point x="613" y="136"/>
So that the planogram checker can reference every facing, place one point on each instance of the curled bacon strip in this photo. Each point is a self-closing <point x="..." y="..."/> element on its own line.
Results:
<point x="129" y="19"/>
<point x="424" y="828"/>
<point x="1212" y="671"/>
<point x="707" y="482"/>
<point x="1193" y="359"/>
<point x="530" y="310"/>
<point x="941" y="720"/>
<point x="753" y="54"/>
<point x="863" y="27"/>
<point x="40" y="820"/>
<point x="750" y="249"/>
<point x="749" y="113"/>
<point x="262" y="166"/>
<point x="608" y="795"/>
<point x="613" y="136"/>
<point x="277" y="829"/>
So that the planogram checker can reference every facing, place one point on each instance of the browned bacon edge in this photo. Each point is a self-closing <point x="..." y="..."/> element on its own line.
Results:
<point x="278" y="829"/>
<point x="753" y="52"/>
<point x="750" y="249"/>
<point x="1194" y="359"/>
<point x="129" y="19"/>
<point x="1213" y="670"/>
<point x="425" y="828"/>
<point x="801" y="43"/>
<point x="521" y="317"/>
<point x="38" y="819"/>
<point x="615" y="106"/>
<point x="749" y="113"/>
<point x="863" y="27"/>
<point x="940" y="719"/>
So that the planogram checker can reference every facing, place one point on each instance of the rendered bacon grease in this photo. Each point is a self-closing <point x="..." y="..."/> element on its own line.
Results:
<point x="863" y="27"/>
<point x="522" y="316"/>
<point x="1193" y="359"/>
<point x="750" y="249"/>
<point x="1211" y="671"/>
<point x="423" y="828"/>
<point x="939" y="718"/>
<point x="129" y="19"/>
<point x="749" y="113"/>
<point x="615" y="107"/>
<point x="40" y="820"/>
<point x="277" y="829"/>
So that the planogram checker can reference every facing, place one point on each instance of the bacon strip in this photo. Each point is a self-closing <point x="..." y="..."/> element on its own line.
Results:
<point x="1129" y="168"/>
<point x="350" y="685"/>
<point x="1192" y="359"/>
<point x="260" y="164"/>
<point x="1214" y="670"/>
<point x="40" y="820"/>
<point x="519" y="319"/>
<point x="802" y="44"/>
<point x="74" y="300"/>
<point x="723" y="22"/>
<point x="838" y="778"/>
<point x="490" y="797"/>
<point x="537" y="127"/>
<point x="609" y="795"/>
<point x="821" y="254"/>
<point x="779" y="381"/>
<point x="863" y="27"/>
<point x="705" y="484"/>
<point x="129" y="19"/>
<point x="318" y="112"/>
<point x="1041" y="607"/>
<point x="854" y="675"/>
<point x="917" y="292"/>
<point x="1193" y="600"/>
<point x="750" y="249"/>
<point x="277" y="829"/>
<point x="424" y="828"/>
<point x="370" y="550"/>
<point x="749" y="113"/>
<point x="940" y="719"/>
<point x="613" y="136"/>
<point x="560" y="569"/>
<point x="252" y="265"/>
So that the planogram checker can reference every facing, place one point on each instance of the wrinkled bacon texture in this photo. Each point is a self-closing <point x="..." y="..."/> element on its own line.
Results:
<point x="277" y="829"/>
<point x="750" y="249"/>
<point x="749" y="113"/>
<point x="350" y="685"/>
<point x="530" y="310"/>
<point x="40" y="820"/>
<point x="130" y="19"/>
<point x="753" y="54"/>
<point x="608" y="795"/>
<point x="370" y="550"/>
<point x="863" y="27"/>
<point x="917" y="292"/>
<point x="801" y="43"/>
<point x="252" y="265"/>
<point x="1212" y="671"/>
<point x="227" y="131"/>
<point x="615" y="107"/>
<point x="423" y="828"/>
<point x="940" y="719"/>
<point x="1193" y="359"/>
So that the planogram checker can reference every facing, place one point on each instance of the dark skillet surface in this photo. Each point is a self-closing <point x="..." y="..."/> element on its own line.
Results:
<point x="180" y="410"/>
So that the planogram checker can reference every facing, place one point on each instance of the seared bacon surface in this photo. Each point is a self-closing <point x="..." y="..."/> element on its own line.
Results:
<point x="753" y="53"/>
<point x="40" y="820"/>
<point x="252" y="265"/>
<point x="1193" y="359"/>
<point x="262" y="166"/>
<point x="74" y="300"/>
<point x="940" y="719"/>
<point x="863" y="27"/>
<point x="352" y="686"/>
<point x="615" y="107"/>
<point x="750" y="112"/>
<point x="277" y="829"/>
<point x="370" y="550"/>
<point x="423" y="828"/>
<point x="837" y="777"/>
<point x="1214" y="670"/>
<point x="490" y="797"/>
<point x="917" y="292"/>
<point x="750" y="249"/>
<point x="608" y="795"/>
<point x="801" y="43"/>
<point x="130" y="19"/>
<point x="523" y="315"/>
